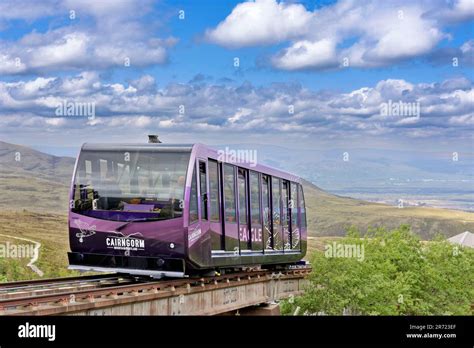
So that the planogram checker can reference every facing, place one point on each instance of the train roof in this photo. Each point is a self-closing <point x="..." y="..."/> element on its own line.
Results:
<point x="200" y="149"/>
<point x="137" y="147"/>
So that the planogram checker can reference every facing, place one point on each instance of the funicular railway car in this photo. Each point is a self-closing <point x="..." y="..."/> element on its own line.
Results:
<point x="174" y="210"/>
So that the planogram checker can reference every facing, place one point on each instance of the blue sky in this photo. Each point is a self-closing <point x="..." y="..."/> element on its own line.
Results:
<point x="193" y="55"/>
<point x="291" y="55"/>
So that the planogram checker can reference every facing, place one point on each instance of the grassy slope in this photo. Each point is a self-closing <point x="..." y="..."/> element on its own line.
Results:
<point x="48" y="229"/>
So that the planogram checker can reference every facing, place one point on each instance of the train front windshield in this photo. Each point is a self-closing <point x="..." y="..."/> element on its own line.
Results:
<point x="130" y="185"/>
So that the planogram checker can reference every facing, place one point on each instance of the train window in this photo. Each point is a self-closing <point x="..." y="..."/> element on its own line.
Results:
<point x="229" y="193"/>
<point x="254" y="199"/>
<point x="193" y="200"/>
<point x="285" y="218"/>
<point x="284" y="213"/>
<point x="294" y="207"/>
<point x="276" y="199"/>
<point x="302" y="206"/>
<point x="103" y="169"/>
<point x="214" y="190"/>
<point x="242" y="178"/>
<point x="293" y="204"/>
<point x="88" y="168"/>
<point x="203" y="188"/>
<point x="139" y="182"/>
<point x="267" y="228"/>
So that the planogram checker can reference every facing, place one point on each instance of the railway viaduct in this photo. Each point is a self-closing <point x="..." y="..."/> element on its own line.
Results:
<point x="255" y="293"/>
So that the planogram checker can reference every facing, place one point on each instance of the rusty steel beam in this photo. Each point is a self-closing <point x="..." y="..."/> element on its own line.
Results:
<point x="23" y="283"/>
<point x="202" y="296"/>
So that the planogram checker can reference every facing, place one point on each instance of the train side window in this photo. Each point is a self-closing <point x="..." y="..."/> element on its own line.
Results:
<point x="193" y="200"/>
<point x="214" y="190"/>
<point x="294" y="207"/>
<point x="276" y="201"/>
<point x="229" y="193"/>
<point x="203" y="188"/>
<point x="276" y="214"/>
<point x="302" y="206"/>
<point x="285" y="211"/>
<point x="242" y="182"/>
<point x="267" y="222"/>
<point x="254" y="199"/>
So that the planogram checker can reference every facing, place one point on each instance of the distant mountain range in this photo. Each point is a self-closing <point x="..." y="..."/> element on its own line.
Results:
<point x="36" y="181"/>
<point x="417" y="177"/>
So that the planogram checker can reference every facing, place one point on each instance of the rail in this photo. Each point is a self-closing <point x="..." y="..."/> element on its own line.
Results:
<point x="205" y="295"/>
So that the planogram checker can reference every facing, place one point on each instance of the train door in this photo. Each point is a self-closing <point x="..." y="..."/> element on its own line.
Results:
<point x="229" y="211"/>
<point x="215" y="222"/>
<point x="294" y="228"/>
<point x="285" y="218"/>
<point x="267" y="213"/>
<point x="203" y="196"/>
<point x="244" y="240"/>
<point x="277" y="231"/>
<point x="256" y="233"/>
<point x="194" y="229"/>
<point x="198" y="237"/>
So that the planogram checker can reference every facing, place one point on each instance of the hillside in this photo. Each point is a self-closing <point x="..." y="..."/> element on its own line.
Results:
<point x="39" y="182"/>
<point x="33" y="180"/>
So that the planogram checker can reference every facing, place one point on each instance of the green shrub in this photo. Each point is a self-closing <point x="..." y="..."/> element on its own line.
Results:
<point x="399" y="275"/>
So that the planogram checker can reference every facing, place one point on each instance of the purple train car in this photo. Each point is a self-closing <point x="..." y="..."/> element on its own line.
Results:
<point x="174" y="210"/>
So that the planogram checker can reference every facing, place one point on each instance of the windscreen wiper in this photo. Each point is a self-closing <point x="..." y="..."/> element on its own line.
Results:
<point x="121" y="227"/>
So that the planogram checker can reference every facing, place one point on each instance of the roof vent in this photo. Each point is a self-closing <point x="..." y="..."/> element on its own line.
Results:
<point x="153" y="139"/>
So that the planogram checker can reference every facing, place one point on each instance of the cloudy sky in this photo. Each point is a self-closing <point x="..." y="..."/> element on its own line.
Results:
<point x="309" y="74"/>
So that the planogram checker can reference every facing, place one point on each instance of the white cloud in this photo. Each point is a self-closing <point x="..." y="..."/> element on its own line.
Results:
<point x="306" y="54"/>
<point x="144" y="83"/>
<point x="467" y="50"/>
<point x="9" y="64"/>
<point x="55" y="121"/>
<point x="459" y="10"/>
<point x="403" y="36"/>
<point x="29" y="9"/>
<point x="362" y="34"/>
<point x="241" y="113"/>
<point x="119" y="108"/>
<point x="70" y="48"/>
<point x="104" y="34"/>
<point x="260" y="22"/>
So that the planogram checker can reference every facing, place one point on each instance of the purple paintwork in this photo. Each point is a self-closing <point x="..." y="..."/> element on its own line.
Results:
<point x="120" y="215"/>
<point x="88" y="234"/>
<point x="92" y="233"/>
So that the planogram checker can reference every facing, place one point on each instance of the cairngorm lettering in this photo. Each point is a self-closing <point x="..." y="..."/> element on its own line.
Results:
<point x="125" y="242"/>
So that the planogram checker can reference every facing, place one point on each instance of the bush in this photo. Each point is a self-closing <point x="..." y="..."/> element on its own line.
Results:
<point x="398" y="275"/>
